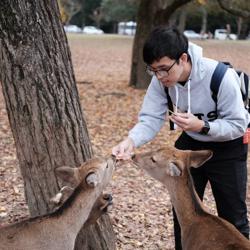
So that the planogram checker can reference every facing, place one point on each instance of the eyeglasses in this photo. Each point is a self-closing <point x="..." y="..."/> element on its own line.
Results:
<point x="161" y="72"/>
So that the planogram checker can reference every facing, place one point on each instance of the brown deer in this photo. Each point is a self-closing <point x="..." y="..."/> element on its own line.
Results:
<point x="200" y="229"/>
<point x="58" y="230"/>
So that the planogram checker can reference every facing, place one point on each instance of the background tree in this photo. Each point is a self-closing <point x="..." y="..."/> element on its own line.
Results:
<point x="159" y="12"/>
<point x="97" y="16"/>
<point x="88" y="15"/>
<point x="241" y="9"/>
<point x="236" y="7"/>
<point x="43" y="106"/>
<point x="115" y="11"/>
<point x="150" y="14"/>
<point x="182" y="18"/>
<point x="119" y="10"/>
<point x="195" y="11"/>
<point x="68" y="8"/>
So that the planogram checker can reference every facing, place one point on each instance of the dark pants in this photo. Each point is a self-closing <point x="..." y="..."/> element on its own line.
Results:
<point x="227" y="173"/>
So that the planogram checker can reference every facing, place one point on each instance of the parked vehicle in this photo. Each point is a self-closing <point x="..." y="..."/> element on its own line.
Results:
<point x="192" y="34"/>
<point x="126" y="28"/>
<point x="221" y="34"/>
<point x="92" y="30"/>
<point x="72" y="28"/>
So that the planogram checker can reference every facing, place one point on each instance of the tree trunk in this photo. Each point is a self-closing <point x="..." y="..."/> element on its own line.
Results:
<point x="150" y="14"/>
<point x="242" y="28"/>
<point x="182" y="19"/>
<point x="145" y="16"/>
<point x="43" y="105"/>
<point x="239" y="26"/>
<point x="204" y="20"/>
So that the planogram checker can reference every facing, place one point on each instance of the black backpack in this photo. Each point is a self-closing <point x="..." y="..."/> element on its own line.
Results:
<point x="216" y="79"/>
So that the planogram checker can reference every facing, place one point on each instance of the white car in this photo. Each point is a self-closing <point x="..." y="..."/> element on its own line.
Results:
<point x="192" y="34"/>
<point x="92" y="30"/>
<point x="72" y="28"/>
<point x="127" y="28"/>
<point x="221" y="34"/>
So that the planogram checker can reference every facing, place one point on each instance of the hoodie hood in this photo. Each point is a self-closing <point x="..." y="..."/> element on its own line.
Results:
<point x="195" y="53"/>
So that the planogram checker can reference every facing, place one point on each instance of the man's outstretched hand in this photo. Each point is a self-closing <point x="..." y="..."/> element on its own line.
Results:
<point x="124" y="150"/>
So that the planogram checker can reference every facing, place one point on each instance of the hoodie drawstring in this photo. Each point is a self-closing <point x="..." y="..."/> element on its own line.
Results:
<point x="177" y="98"/>
<point x="189" y="97"/>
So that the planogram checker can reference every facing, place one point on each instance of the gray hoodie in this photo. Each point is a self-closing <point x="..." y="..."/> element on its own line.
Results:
<point x="195" y="97"/>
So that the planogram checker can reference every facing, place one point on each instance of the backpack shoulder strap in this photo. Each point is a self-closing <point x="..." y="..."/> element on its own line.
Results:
<point x="246" y="96"/>
<point x="170" y="107"/>
<point x="216" y="79"/>
<point x="244" y="79"/>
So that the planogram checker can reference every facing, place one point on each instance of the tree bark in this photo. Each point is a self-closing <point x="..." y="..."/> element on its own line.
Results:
<point x="43" y="105"/>
<point x="145" y="17"/>
<point x="151" y="13"/>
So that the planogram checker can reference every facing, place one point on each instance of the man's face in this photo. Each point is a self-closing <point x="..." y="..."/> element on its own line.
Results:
<point x="167" y="70"/>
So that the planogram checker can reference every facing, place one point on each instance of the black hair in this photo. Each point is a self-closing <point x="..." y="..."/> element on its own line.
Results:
<point x="164" y="41"/>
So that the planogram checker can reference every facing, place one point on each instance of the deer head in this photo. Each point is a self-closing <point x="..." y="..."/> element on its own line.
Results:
<point x="90" y="174"/>
<point x="170" y="161"/>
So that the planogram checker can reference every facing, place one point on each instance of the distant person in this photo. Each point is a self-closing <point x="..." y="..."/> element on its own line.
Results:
<point x="228" y="29"/>
<point x="209" y="35"/>
<point x="181" y="67"/>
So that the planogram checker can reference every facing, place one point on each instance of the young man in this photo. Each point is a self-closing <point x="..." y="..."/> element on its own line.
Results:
<point x="220" y="126"/>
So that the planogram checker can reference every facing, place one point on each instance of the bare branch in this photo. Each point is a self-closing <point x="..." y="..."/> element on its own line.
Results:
<point x="227" y="6"/>
<point x="164" y="14"/>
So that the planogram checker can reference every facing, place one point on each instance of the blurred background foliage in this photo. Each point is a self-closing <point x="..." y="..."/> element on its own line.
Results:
<point x="106" y="14"/>
<point x="199" y="18"/>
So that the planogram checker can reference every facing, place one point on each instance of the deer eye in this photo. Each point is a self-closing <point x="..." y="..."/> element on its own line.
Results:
<point x="153" y="160"/>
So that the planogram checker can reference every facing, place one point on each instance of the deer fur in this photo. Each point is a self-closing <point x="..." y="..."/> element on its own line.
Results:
<point x="199" y="229"/>
<point x="58" y="230"/>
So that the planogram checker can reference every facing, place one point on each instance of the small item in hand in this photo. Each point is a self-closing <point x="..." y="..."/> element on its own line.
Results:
<point x="246" y="136"/>
<point x="173" y="113"/>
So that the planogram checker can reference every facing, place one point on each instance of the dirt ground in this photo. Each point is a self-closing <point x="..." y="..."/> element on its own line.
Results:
<point x="142" y="211"/>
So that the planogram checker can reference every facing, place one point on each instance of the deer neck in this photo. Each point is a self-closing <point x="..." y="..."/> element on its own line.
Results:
<point x="75" y="211"/>
<point x="185" y="200"/>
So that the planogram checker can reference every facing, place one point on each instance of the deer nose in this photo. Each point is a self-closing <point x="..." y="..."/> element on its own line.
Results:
<point x="107" y="197"/>
<point x="133" y="157"/>
<point x="113" y="157"/>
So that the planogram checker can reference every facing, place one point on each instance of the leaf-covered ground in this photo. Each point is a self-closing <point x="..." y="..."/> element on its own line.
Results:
<point x="141" y="216"/>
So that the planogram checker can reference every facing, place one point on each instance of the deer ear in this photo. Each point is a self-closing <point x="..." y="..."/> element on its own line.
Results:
<point x="63" y="194"/>
<point x="68" y="174"/>
<point x="173" y="170"/>
<point x="198" y="158"/>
